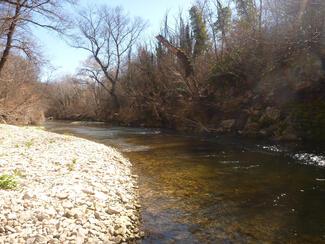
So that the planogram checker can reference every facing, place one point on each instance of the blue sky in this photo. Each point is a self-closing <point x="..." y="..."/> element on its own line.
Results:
<point x="65" y="60"/>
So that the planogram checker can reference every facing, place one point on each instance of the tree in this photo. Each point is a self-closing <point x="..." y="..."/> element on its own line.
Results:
<point x="199" y="30"/>
<point x="247" y="11"/>
<point x="223" y="22"/>
<point x="18" y="15"/>
<point x="107" y="34"/>
<point x="185" y="38"/>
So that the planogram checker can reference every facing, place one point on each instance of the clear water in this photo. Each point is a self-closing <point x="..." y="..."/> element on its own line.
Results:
<point x="220" y="190"/>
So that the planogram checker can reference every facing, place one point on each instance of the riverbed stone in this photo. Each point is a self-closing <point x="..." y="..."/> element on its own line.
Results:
<point x="55" y="203"/>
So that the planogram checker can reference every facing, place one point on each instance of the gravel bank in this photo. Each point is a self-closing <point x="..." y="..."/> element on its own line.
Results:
<point x="70" y="190"/>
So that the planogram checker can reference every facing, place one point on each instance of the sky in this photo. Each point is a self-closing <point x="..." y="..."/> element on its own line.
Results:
<point x="64" y="60"/>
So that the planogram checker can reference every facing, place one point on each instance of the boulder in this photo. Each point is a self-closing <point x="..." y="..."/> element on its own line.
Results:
<point x="228" y="124"/>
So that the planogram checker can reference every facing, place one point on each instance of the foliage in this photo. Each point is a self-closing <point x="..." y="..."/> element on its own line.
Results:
<point x="19" y="173"/>
<point x="20" y="93"/>
<point x="199" y="30"/>
<point x="309" y="118"/>
<point x="72" y="166"/>
<point x="223" y="22"/>
<point x="246" y="55"/>
<point x="246" y="10"/>
<point x="29" y="143"/>
<point x="8" y="182"/>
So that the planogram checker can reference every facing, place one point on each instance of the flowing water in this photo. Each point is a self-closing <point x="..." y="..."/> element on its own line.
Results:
<point x="219" y="189"/>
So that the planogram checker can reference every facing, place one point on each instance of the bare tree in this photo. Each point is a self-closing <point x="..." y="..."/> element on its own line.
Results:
<point x="18" y="15"/>
<point x="108" y="35"/>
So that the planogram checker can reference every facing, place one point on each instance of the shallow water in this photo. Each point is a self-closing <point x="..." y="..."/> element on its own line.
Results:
<point x="220" y="190"/>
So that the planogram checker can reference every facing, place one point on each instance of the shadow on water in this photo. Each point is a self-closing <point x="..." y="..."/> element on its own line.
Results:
<point x="220" y="190"/>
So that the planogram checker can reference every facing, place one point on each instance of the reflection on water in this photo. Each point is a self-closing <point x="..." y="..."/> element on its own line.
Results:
<point x="219" y="190"/>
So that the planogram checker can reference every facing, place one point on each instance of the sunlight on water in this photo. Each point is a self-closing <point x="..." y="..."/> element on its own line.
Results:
<point x="311" y="159"/>
<point x="219" y="190"/>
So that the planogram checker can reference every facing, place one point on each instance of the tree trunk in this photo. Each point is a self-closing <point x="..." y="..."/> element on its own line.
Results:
<point x="116" y="102"/>
<point x="261" y="16"/>
<point x="10" y="35"/>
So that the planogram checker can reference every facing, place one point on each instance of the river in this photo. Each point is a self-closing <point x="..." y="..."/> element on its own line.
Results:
<point x="197" y="189"/>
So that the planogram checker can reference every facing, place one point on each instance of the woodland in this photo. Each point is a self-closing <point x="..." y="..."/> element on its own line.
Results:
<point x="247" y="67"/>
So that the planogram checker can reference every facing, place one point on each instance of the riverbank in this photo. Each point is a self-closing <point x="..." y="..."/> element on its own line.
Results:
<point x="62" y="189"/>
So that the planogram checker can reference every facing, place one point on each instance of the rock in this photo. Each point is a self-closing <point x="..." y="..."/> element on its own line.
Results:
<point x="53" y="241"/>
<point x="118" y="239"/>
<point x="263" y="132"/>
<point x="27" y="196"/>
<point x="9" y="228"/>
<point x="101" y="196"/>
<point x="67" y="204"/>
<point x="71" y="214"/>
<point x="30" y="240"/>
<point x="251" y="127"/>
<point x="88" y="191"/>
<point x="80" y="239"/>
<point x="2" y="230"/>
<point x="272" y="113"/>
<point x="59" y="206"/>
<point x="228" y="124"/>
<point x="288" y="136"/>
<point x="41" y="216"/>
<point x="40" y="239"/>
<point x="120" y="231"/>
<point x="62" y="195"/>
<point x="124" y="199"/>
<point x="92" y="221"/>
<point x="25" y="216"/>
<point x="12" y="216"/>
<point x="97" y="215"/>
<point x="50" y="211"/>
<point x="113" y="210"/>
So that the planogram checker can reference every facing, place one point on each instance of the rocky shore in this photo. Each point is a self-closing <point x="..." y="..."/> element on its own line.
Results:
<point x="63" y="189"/>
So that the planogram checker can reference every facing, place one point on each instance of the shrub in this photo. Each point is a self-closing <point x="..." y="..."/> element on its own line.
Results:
<point x="8" y="182"/>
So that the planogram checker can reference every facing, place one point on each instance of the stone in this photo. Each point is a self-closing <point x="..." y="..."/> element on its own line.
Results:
<point x="113" y="210"/>
<point x="92" y="221"/>
<point x="124" y="199"/>
<point x="58" y="206"/>
<point x="118" y="239"/>
<point x="228" y="124"/>
<point x="25" y="216"/>
<point x="80" y="239"/>
<point x="101" y="196"/>
<point x="67" y="204"/>
<point x="62" y="195"/>
<point x="9" y="228"/>
<point x="73" y="213"/>
<point x="251" y="127"/>
<point x="272" y="113"/>
<point x="30" y="240"/>
<point x="88" y="191"/>
<point x="41" y="216"/>
<point x="27" y="196"/>
<point x="12" y="216"/>
<point x="97" y="215"/>
<point x="121" y="231"/>
<point x="51" y="211"/>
